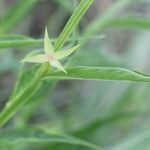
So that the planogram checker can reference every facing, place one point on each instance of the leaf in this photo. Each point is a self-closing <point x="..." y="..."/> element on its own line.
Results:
<point x="13" y="37"/>
<point x="28" y="136"/>
<point x="48" y="48"/>
<point x="65" y="53"/>
<point x="99" y="73"/>
<point x="72" y="23"/>
<point x="130" y="23"/>
<point x="12" y="40"/>
<point x="40" y="58"/>
<point x="16" y="41"/>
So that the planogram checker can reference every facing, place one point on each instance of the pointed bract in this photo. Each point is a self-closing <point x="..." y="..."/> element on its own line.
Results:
<point x="48" y="47"/>
<point x="65" y="53"/>
<point x="57" y="64"/>
<point x="50" y="56"/>
<point x="40" y="58"/>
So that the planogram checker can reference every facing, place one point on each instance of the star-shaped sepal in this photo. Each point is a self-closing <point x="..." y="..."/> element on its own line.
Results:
<point x="50" y="55"/>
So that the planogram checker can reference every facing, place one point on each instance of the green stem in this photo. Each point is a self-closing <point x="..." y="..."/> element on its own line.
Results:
<point x="16" y="102"/>
<point x="13" y="105"/>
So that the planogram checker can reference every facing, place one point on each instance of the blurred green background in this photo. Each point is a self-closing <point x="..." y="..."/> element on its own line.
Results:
<point x="107" y="113"/>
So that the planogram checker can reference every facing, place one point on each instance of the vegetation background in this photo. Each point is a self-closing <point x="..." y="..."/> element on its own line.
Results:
<point x="109" y="114"/>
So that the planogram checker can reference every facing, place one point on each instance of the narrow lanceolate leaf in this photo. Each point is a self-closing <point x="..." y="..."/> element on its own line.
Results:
<point x="40" y="58"/>
<point x="72" y="23"/>
<point x="16" y="41"/>
<point x="65" y="53"/>
<point x="137" y="23"/>
<point x="99" y="73"/>
<point x="39" y="136"/>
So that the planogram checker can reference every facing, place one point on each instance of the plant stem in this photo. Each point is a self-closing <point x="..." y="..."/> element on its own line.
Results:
<point x="16" y="102"/>
<point x="13" y="105"/>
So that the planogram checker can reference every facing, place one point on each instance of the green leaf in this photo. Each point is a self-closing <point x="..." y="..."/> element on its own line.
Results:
<point x="72" y="23"/>
<point x="65" y="53"/>
<point x="99" y="73"/>
<point x="13" y="37"/>
<point x="12" y="40"/>
<point x="129" y="22"/>
<point x="16" y="41"/>
<point x="40" y="136"/>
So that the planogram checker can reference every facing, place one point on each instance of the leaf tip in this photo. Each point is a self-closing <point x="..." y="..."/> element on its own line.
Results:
<point x="46" y="29"/>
